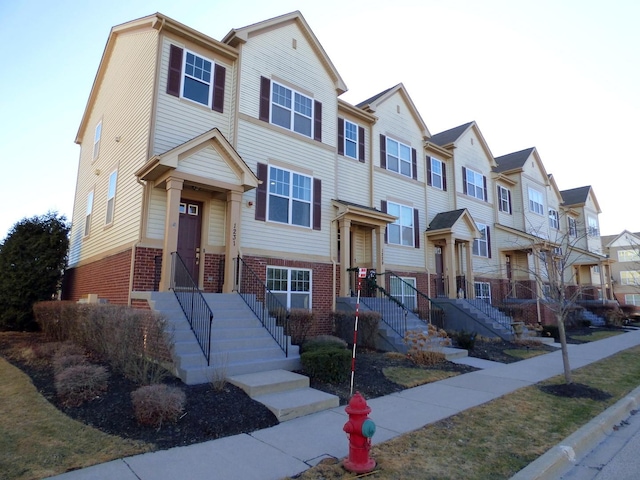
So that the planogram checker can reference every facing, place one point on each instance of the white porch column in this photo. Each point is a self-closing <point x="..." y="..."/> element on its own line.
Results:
<point x="603" y="287"/>
<point x="471" y="289"/>
<point x="232" y="240"/>
<point x="380" y="268"/>
<point x="171" y="223"/>
<point x="450" y="265"/>
<point x="345" y="255"/>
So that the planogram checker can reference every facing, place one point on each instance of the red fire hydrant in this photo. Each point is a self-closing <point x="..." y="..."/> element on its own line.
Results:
<point x="359" y="430"/>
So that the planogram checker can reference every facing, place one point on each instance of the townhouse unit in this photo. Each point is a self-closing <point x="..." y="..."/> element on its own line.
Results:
<point x="238" y="155"/>
<point x="624" y="251"/>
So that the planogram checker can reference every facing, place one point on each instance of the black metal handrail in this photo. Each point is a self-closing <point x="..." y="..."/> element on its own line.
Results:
<point x="426" y="309"/>
<point x="193" y="304"/>
<point x="273" y="315"/>
<point x="471" y="317"/>
<point x="492" y="312"/>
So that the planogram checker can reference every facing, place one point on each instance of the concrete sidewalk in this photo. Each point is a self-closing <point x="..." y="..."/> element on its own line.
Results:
<point x="292" y="447"/>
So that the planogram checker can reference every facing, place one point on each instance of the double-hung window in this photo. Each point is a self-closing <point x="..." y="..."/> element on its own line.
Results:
<point x="554" y="221"/>
<point x="196" y="78"/>
<point x="96" y="140"/>
<point x="632" y="299"/>
<point x="628" y="256"/>
<point x="573" y="227"/>
<point x="87" y="217"/>
<point x="404" y="290"/>
<point x="593" y="230"/>
<point x="401" y="231"/>
<point x="483" y="291"/>
<point x="111" y="196"/>
<point x="350" y="139"/>
<point x="291" y="110"/>
<point x="630" y="277"/>
<point x="436" y="173"/>
<point x="504" y="200"/>
<point x="399" y="157"/>
<point x="474" y="184"/>
<point x="292" y="286"/>
<point x="536" y="202"/>
<point x="289" y="197"/>
<point x="481" y="245"/>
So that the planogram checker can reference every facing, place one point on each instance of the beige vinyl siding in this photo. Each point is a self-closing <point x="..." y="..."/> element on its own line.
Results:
<point x="353" y="181"/>
<point x="124" y="109"/>
<point x="534" y="223"/>
<point x="157" y="214"/>
<point x="503" y="217"/>
<point x="440" y="200"/>
<point x="217" y="215"/>
<point x="179" y="120"/>
<point x="207" y="163"/>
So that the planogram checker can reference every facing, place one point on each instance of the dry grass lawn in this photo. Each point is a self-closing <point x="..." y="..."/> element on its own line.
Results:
<point x="497" y="439"/>
<point x="596" y="336"/>
<point x="37" y="440"/>
<point x="412" y="377"/>
<point x="523" y="354"/>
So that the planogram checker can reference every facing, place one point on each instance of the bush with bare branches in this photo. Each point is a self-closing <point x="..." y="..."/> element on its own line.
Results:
<point x="156" y="404"/>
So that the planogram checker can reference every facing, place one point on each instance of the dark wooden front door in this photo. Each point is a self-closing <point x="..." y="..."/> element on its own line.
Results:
<point x="440" y="280"/>
<point x="189" y="232"/>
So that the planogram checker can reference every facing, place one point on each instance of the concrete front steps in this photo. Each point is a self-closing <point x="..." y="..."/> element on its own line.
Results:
<point x="239" y="342"/>
<point x="285" y="393"/>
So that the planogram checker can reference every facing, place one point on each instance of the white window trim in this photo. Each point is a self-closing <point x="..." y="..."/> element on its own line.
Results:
<point x="482" y="288"/>
<point x="89" y="211"/>
<point x="292" y="110"/>
<point x="572" y="227"/>
<point x="536" y="201"/>
<point x="288" y="292"/>
<point x="350" y="140"/>
<point x="290" y="198"/>
<point x="593" y="229"/>
<point x="97" y="136"/>
<point x="503" y="203"/>
<point x="472" y="186"/>
<point x="400" y="225"/>
<point x="184" y="75"/>
<point x="628" y="256"/>
<point x="435" y="175"/>
<point x="111" y="198"/>
<point x="478" y="242"/>
<point x="554" y="219"/>
<point x="408" y="161"/>
<point x="402" y="296"/>
<point x="632" y="299"/>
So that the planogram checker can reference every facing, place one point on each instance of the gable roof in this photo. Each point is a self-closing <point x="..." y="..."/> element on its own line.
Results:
<point x="241" y="35"/>
<point x="512" y="161"/>
<point x="608" y="240"/>
<point x="449" y="136"/>
<point x="371" y="104"/>
<point x="445" y="219"/>
<point x="576" y="196"/>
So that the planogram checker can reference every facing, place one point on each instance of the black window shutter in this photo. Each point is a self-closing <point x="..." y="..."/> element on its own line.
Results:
<point x="429" y="170"/>
<point x="261" y="192"/>
<point x="414" y="163"/>
<point x="416" y="228"/>
<point x="361" y="144"/>
<point x="317" y="204"/>
<point x="175" y="71"/>
<point x="464" y="180"/>
<point x="220" y="74"/>
<point x="383" y="153"/>
<point x="340" y="136"/>
<point x="265" y="93"/>
<point x="488" y="241"/>
<point x="444" y="176"/>
<point x="383" y="207"/>
<point x="509" y="196"/>
<point x="484" y="182"/>
<point x="317" y="121"/>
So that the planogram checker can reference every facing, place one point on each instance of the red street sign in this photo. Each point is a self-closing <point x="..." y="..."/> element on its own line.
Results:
<point x="362" y="273"/>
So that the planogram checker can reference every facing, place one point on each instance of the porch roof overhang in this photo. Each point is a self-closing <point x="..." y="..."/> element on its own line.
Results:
<point x="446" y="224"/>
<point x="362" y="215"/>
<point x="159" y="167"/>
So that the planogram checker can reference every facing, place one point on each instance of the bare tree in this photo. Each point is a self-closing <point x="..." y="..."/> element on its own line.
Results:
<point x="553" y="273"/>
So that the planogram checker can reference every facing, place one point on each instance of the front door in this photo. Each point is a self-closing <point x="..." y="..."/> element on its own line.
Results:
<point x="440" y="290"/>
<point x="189" y="231"/>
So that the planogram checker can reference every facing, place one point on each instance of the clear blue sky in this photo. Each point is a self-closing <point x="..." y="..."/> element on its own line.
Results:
<point x="563" y="76"/>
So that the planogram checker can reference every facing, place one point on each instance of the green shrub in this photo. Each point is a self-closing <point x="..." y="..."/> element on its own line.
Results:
<point x="465" y="340"/>
<point x="81" y="383"/>
<point x="155" y="404"/>
<point x="328" y="364"/>
<point x="368" y="322"/>
<point x="322" y="341"/>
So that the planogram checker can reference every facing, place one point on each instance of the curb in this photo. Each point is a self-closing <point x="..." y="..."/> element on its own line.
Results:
<point x="572" y="449"/>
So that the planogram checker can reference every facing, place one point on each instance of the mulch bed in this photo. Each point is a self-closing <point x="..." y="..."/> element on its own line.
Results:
<point x="211" y="413"/>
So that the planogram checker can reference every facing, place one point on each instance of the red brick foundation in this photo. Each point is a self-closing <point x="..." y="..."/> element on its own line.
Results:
<point x="213" y="273"/>
<point x="147" y="269"/>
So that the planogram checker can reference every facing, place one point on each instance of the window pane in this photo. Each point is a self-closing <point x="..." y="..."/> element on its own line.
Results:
<point x="302" y="125"/>
<point x="196" y="91"/>
<point x="300" y="300"/>
<point x="303" y="105"/>
<point x="301" y="187"/>
<point x="392" y="163"/>
<point x="301" y="213"/>
<point x="394" y="234"/>
<point x="279" y="181"/>
<point x="281" y="116"/>
<point x="405" y="168"/>
<point x="281" y="96"/>
<point x="350" y="149"/>
<point x="407" y="236"/>
<point x="278" y="209"/>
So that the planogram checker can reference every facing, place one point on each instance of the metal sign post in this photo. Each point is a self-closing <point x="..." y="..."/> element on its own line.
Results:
<point x="362" y="273"/>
